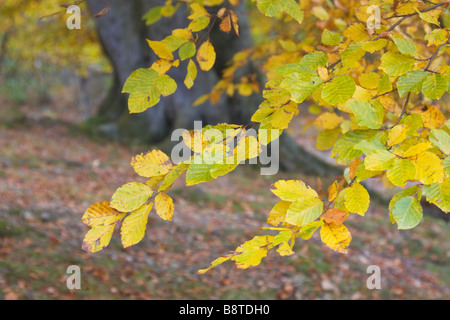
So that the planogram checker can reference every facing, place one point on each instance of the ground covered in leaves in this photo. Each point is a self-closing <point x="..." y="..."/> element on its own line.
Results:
<point x="50" y="172"/>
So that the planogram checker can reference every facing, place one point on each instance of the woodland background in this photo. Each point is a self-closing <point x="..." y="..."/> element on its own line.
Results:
<point x="66" y="141"/>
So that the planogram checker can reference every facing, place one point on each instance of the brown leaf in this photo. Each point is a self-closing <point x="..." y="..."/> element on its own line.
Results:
<point x="221" y="12"/>
<point x="235" y="20"/>
<point x="335" y="216"/>
<point x="225" y="25"/>
<point x="102" y="12"/>
<point x="353" y="167"/>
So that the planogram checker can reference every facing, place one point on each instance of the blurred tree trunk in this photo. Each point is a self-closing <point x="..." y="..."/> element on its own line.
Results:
<point x="122" y="33"/>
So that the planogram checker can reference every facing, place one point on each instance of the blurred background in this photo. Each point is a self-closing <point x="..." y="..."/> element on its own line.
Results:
<point x="66" y="140"/>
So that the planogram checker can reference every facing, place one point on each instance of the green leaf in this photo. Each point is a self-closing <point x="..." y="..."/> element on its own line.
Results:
<point x="385" y="85"/>
<point x="414" y="190"/>
<point x="330" y="38"/>
<point x="304" y="210"/>
<point x="270" y="8"/>
<point x="379" y="160"/>
<point x="343" y="148"/>
<point x="439" y="194"/>
<point x="142" y="88"/>
<point x="411" y="82"/>
<point x="395" y="64"/>
<point x="199" y="24"/>
<point x="173" y="175"/>
<point x="292" y="8"/>
<point x="174" y="42"/>
<point x="339" y="91"/>
<point x="153" y="15"/>
<point x="407" y="212"/>
<point x="440" y="139"/>
<point x="131" y="196"/>
<point x="166" y="85"/>
<point x="188" y="50"/>
<point x="402" y="171"/>
<point x="372" y="46"/>
<point x="301" y="86"/>
<point x="352" y="55"/>
<point x="198" y="173"/>
<point x="308" y="230"/>
<point x="327" y="138"/>
<point x="434" y="86"/>
<point x="405" y="46"/>
<point x="367" y="114"/>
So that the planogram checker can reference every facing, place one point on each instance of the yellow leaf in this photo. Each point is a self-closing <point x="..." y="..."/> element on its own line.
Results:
<point x="402" y="171"/>
<point x="215" y="263"/>
<point x="285" y="250"/>
<point x="164" y="206"/>
<point x="278" y="213"/>
<point x="235" y="22"/>
<point x="432" y="117"/>
<point x="291" y="190"/>
<point x="323" y="73"/>
<point x="388" y="103"/>
<point x="206" y="56"/>
<point x="162" y="66"/>
<point x="101" y="214"/>
<point x="130" y="196"/>
<point x="154" y="163"/>
<point x="333" y="191"/>
<point x="416" y="149"/>
<point x="328" y="121"/>
<point x="251" y="253"/>
<point x="197" y="11"/>
<point x="397" y="134"/>
<point x="154" y="181"/>
<point x="336" y="237"/>
<point x="174" y="174"/>
<point x="357" y="199"/>
<point x="304" y="210"/>
<point x="354" y="167"/>
<point x="428" y="168"/>
<point x="160" y="49"/>
<point x="134" y="225"/>
<point x="98" y="238"/>
<point x="191" y="74"/>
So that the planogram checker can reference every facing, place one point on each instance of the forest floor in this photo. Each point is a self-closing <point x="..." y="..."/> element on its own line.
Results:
<point x="50" y="172"/>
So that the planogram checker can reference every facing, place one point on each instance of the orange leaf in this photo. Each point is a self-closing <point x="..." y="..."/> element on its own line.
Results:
<point x="335" y="216"/>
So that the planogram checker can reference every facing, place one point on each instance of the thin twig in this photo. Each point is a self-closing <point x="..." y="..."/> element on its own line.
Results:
<point x="435" y="55"/>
